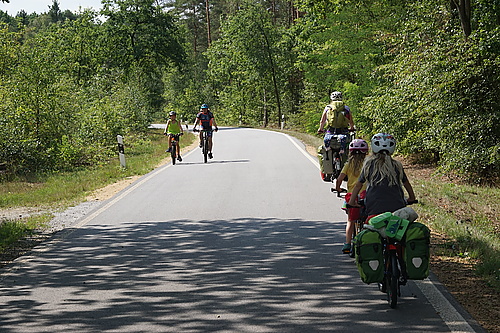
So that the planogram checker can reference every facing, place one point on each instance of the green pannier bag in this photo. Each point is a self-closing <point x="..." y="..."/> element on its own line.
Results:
<point x="417" y="251"/>
<point x="369" y="256"/>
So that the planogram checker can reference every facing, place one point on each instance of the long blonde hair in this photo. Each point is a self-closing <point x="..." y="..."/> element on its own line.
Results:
<point x="380" y="166"/>
<point x="355" y="163"/>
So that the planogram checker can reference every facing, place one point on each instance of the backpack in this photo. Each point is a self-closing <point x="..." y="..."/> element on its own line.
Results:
<point x="336" y="115"/>
<point x="417" y="251"/>
<point x="369" y="256"/>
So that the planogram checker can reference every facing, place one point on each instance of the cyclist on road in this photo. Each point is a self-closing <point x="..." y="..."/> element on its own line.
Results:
<point x="206" y="120"/>
<point x="337" y="118"/>
<point x="358" y="149"/>
<point x="384" y="177"/>
<point x="172" y="128"/>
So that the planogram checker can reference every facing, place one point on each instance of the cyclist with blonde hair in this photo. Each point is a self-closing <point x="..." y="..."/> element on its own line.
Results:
<point x="384" y="177"/>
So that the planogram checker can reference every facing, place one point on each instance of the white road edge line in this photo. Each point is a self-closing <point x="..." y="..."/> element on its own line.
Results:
<point x="124" y="194"/>
<point x="45" y="246"/>
<point x="302" y="150"/>
<point x="443" y="307"/>
<point x="447" y="312"/>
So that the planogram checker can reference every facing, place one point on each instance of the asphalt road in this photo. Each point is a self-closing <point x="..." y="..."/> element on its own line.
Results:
<point x="249" y="242"/>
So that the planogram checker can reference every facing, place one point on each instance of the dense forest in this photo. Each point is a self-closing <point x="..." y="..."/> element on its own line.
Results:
<point x="427" y="71"/>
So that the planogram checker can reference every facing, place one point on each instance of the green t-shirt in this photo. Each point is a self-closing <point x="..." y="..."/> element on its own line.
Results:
<point x="174" y="127"/>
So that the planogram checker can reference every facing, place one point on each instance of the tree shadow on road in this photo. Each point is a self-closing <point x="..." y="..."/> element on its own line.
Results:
<point x="240" y="275"/>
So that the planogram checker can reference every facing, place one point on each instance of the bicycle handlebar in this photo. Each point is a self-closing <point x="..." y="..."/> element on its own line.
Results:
<point x="362" y="203"/>
<point x="204" y="130"/>
<point x="338" y="192"/>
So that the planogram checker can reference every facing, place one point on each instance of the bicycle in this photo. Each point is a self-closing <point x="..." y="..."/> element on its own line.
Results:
<point x="204" y="143"/>
<point x="358" y="223"/>
<point x="395" y="274"/>
<point x="337" y="154"/>
<point x="174" y="150"/>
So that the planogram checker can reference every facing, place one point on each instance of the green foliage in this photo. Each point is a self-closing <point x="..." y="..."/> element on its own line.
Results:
<point x="250" y="67"/>
<point x="143" y="152"/>
<point x="452" y="209"/>
<point x="10" y="232"/>
<point x="439" y="96"/>
<point x="69" y="83"/>
<point x="339" y="50"/>
<point x="66" y="90"/>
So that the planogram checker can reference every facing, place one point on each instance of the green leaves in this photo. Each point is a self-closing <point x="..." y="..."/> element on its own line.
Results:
<point x="438" y="94"/>
<point x="68" y="88"/>
<point x="248" y="67"/>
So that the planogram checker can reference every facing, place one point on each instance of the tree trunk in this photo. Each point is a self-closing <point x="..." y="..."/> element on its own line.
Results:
<point x="209" y="33"/>
<point x="273" y="72"/>
<point x="464" y="12"/>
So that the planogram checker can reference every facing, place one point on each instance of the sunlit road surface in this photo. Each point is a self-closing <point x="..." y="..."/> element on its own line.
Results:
<point x="248" y="242"/>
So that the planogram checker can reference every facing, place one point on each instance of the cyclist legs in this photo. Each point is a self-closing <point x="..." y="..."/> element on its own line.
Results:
<point x="349" y="229"/>
<point x="210" y="144"/>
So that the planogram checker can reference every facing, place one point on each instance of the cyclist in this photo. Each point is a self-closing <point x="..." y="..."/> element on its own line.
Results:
<point x="358" y="149"/>
<point x="206" y="120"/>
<point x="385" y="179"/>
<point x="337" y="118"/>
<point x="172" y="128"/>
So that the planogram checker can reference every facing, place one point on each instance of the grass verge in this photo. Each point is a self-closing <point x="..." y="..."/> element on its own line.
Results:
<point x="49" y="192"/>
<point x="468" y="216"/>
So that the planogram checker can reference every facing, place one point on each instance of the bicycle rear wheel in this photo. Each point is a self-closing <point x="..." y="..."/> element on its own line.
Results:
<point x="392" y="277"/>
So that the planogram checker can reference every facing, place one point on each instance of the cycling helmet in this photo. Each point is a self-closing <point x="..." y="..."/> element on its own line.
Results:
<point x="383" y="141"/>
<point x="336" y="96"/>
<point x="359" y="145"/>
<point x="172" y="113"/>
<point x="204" y="106"/>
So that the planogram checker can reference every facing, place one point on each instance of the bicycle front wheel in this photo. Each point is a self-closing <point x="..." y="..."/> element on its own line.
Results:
<point x="205" y="150"/>
<point x="173" y="153"/>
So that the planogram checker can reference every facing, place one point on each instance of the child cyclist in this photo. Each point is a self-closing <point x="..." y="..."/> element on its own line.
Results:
<point x="358" y="148"/>
<point x="173" y="127"/>
<point x="384" y="177"/>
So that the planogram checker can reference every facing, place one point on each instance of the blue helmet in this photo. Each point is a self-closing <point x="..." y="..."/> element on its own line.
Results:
<point x="204" y="106"/>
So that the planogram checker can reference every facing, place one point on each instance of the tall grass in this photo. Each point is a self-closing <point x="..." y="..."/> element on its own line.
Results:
<point x="11" y="231"/>
<point x="469" y="216"/>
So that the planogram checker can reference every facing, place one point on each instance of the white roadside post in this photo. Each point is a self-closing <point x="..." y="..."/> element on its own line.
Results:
<point x="282" y="121"/>
<point x="121" y="151"/>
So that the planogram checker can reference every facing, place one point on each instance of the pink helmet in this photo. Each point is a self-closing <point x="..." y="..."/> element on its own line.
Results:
<point x="358" y="144"/>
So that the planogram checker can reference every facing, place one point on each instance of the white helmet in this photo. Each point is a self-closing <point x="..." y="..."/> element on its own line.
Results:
<point x="336" y="96"/>
<point x="383" y="141"/>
